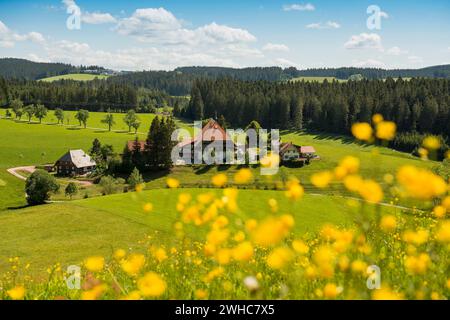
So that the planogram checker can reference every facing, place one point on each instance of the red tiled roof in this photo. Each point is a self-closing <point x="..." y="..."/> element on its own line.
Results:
<point x="307" y="149"/>
<point x="131" y="144"/>
<point x="212" y="131"/>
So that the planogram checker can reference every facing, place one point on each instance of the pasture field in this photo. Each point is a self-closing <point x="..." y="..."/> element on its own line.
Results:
<point x="33" y="144"/>
<point x="68" y="232"/>
<point x="76" y="77"/>
<point x="316" y="79"/>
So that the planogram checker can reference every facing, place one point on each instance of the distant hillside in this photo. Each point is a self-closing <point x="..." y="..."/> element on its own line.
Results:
<point x="245" y="74"/>
<point x="374" y="73"/>
<point x="75" y="77"/>
<point x="25" y="69"/>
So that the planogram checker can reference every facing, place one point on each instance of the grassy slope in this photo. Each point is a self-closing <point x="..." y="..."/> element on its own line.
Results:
<point x="48" y="142"/>
<point x="76" y="77"/>
<point x="317" y="79"/>
<point x="67" y="233"/>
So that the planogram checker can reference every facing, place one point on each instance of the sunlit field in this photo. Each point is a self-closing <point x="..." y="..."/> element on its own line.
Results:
<point x="76" y="77"/>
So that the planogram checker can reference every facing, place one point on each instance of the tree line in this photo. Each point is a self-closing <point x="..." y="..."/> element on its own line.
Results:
<point x="418" y="105"/>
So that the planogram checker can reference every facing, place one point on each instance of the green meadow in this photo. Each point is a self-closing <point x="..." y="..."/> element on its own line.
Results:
<point x="75" y="77"/>
<point x="68" y="231"/>
<point x="316" y="79"/>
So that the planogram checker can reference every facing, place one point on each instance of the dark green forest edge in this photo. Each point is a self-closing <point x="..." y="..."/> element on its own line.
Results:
<point x="419" y="106"/>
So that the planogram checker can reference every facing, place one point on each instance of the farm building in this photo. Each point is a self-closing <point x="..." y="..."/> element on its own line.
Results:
<point x="292" y="152"/>
<point x="75" y="162"/>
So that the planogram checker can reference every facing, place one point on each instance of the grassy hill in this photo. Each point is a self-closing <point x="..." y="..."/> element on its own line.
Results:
<point x="67" y="233"/>
<point x="316" y="79"/>
<point x="75" y="77"/>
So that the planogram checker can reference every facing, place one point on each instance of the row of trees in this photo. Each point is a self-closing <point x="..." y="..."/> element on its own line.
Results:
<point x="418" y="105"/>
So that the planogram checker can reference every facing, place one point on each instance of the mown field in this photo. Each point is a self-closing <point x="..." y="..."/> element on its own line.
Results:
<point x="69" y="232"/>
<point x="317" y="79"/>
<point x="76" y="77"/>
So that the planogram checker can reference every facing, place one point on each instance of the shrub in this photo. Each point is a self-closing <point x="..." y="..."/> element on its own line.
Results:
<point x="39" y="186"/>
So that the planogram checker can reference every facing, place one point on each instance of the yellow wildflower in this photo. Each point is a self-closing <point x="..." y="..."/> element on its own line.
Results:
<point x="272" y="230"/>
<point x="331" y="291"/>
<point x="421" y="183"/>
<point x="321" y="179"/>
<point x="243" y="251"/>
<point x="431" y="143"/>
<point x="16" y="293"/>
<point x="119" y="254"/>
<point x="386" y="130"/>
<point x="279" y="257"/>
<point x="219" y="180"/>
<point x="173" y="183"/>
<point x="151" y="285"/>
<point x="300" y="247"/>
<point x="93" y="293"/>
<point x="94" y="264"/>
<point x="388" y="223"/>
<point x="160" y="254"/>
<point x="417" y="238"/>
<point x="243" y="176"/>
<point x="385" y="293"/>
<point x="443" y="232"/>
<point x="148" y="207"/>
<point x="133" y="264"/>
<point x="371" y="191"/>
<point x="294" y="190"/>
<point x="417" y="264"/>
<point x="362" y="131"/>
<point x="353" y="183"/>
<point x="377" y="118"/>
<point x="201" y="294"/>
<point x="439" y="211"/>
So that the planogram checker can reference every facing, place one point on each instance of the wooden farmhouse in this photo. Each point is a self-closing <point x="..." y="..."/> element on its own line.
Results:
<point x="75" y="163"/>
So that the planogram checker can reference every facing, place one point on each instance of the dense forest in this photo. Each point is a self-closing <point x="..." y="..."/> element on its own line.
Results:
<point x="23" y="69"/>
<point x="94" y="95"/>
<point x="419" y="105"/>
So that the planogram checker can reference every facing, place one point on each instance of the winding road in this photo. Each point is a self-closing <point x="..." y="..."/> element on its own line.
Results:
<point x="30" y="169"/>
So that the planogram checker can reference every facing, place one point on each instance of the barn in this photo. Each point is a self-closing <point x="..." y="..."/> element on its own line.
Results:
<point x="75" y="163"/>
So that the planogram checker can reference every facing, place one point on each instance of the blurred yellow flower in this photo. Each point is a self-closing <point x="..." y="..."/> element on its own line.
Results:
<point x="353" y="183"/>
<point x="419" y="237"/>
<point x="133" y="296"/>
<point x="272" y="230"/>
<point x="201" y="294"/>
<point x="243" y="251"/>
<point x="439" y="211"/>
<point x="386" y="130"/>
<point x="388" y="223"/>
<point x="243" y="176"/>
<point x="350" y="164"/>
<point x="359" y="266"/>
<point x="279" y="257"/>
<point x="431" y="143"/>
<point x="377" y="118"/>
<point x="184" y="198"/>
<point x="219" y="180"/>
<point x="331" y="291"/>
<point x="151" y="285"/>
<point x="119" y="254"/>
<point x="173" y="183"/>
<point x="294" y="190"/>
<point x="371" y="191"/>
<point x="94" y="293"/>
<point x="133" y="264"/>
<point x="421" y="183"/>
<point x="300" y="247"/>
<point x="443" y="232"/>
<point x="385" y="293"/>
<point x="94" y="264"/>
<point x="16" y="293"/>
<point x="148" y="207"/>
<point x="273" y="204"/>
<point x="160" y="254"/>
<point x="362" y="131"/>
<point x="321" y="179"/>
<point x="417" y="264"/>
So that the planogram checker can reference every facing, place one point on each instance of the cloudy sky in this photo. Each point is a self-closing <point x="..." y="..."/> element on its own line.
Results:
<point x="162" y="35"/>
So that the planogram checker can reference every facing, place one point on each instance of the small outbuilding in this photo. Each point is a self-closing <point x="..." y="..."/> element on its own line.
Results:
<point x="75" y="163"/>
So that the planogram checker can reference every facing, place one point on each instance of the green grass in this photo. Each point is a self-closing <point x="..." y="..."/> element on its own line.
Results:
<point x="316" y="79"/>
<point x="69" y="232"/>
<point x="76" y="77"/>
<point x="31" y="144"/>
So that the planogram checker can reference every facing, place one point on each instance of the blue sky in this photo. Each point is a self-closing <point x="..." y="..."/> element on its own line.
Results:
<point x="162" y="35"/>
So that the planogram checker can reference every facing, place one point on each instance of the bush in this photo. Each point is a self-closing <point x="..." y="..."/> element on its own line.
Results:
<point x="71" y="189"/>
<point x="135" y="179"/>
<point x="39" y="186"/>
<point x="109" y="185"/>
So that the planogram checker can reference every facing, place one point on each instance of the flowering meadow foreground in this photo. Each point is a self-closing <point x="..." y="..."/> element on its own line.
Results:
<point x="250" y="259"/>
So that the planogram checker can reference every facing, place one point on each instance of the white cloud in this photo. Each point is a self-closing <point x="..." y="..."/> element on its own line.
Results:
<point x="384" y="15"/>
<point x="286" y="63"/>
<point x="396" y="51"/>
<point x="327" y="25"/>
<point x="299" y="7"/>
<point x="370" y="63"/>
<point x="160" y="26"/>
<point x="364" y="41"/>
<point x="8" y="38"/>
<point x="91" y="18"/>
<point x="415" y="60"/>
<point x="97" y="18"/>
<point x="276" y="47"/>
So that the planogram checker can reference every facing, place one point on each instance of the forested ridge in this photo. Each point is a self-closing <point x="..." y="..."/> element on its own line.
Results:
<point x="12" y="68"/>
<point x="418" y="105"/>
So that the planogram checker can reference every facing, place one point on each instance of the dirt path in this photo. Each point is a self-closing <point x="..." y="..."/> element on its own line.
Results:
<point x="31" y="169"/>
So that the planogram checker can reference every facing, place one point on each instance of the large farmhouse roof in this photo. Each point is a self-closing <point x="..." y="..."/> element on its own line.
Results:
<point x="79" y="159"/>
<point x="212" y="131"/>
